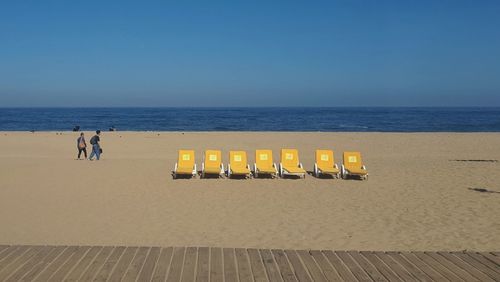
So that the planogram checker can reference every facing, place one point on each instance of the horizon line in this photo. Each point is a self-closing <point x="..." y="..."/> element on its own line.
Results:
<point x="226" y="107"/>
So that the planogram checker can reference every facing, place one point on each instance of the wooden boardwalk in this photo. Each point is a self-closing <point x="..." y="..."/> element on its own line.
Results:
<point x="96" y="263"/>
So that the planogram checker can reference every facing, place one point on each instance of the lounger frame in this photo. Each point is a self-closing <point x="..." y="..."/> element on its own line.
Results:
<point x="284" y="173"/>
<point x="247" y="175"/>
<point x="256" y="171"/>
<point x="203" y="173"/>
<point x="193" y="173"/>
<point x="346" y="173"/>
<point x="318" y="172"/>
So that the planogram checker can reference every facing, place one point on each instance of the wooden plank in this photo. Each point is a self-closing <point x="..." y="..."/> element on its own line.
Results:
<point x="271" y="267"/>
<point x="174" y="274"/>
<point x="96" y="264"/>
<point x="13" y="256"/>
<point x="484" y="261"/>
<point x="445" y="272"/>
<point x="18" y="262"/>
<point x="395" y="267"/>
<point x="328" y="270"/>
<point x="229" y="265"/>
<point x="455" y="269"/>
<point x="107" y="267"/>
<point x="339" y="266"/>
<point x="299" y="269"/>
<point x="122" y="264"/>
<point x="380" y="266"/>
<point x="30" y="264"/>
<point x="311" y="266"/>
<point x="216" y="270"/>
<point x="466" y="267"/>
<point x="30" y="275"/>
<point x="431" y="273"/>
<point x="203" y="268"/>
<point x="479" y="266"/>
<point x="491" y="257"/>
<point x="360" y="274"/>
<point x="258" y="270"/>
<point x="6" y="252"/>
<point x="189" y="268"/>
<point x="419" y="274"/>
<point x="67" y="266"/>
<point x="48" y="263"/>
<point x="284" y="266"/>
<point x="149" y="265"/>
<point x="367" y="266"/>
<point x="136" y="264"/>
<point x="162" y="265"/>
<point x="243" y="264"/>
<point x="82" y="264"/>
<point x="3" y="248"/>
<point x="52" y="268"/>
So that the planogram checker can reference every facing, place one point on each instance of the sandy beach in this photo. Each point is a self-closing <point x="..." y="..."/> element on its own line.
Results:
<point x="417" y="197"/>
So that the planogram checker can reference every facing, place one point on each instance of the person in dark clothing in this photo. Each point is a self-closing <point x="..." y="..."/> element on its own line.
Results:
<point x="96" y="148"/>
<point x="81" y="145"/>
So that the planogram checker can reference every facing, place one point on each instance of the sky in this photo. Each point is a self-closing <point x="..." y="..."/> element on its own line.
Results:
<point x="249" y="53"/>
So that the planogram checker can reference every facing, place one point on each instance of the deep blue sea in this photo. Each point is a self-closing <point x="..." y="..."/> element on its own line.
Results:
<point x="253" y="119"/>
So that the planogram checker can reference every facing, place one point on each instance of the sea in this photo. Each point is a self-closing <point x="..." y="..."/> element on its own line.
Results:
<point x="321" y="119"/>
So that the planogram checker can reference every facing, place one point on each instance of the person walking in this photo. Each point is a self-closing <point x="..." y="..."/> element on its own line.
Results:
<point x="81" y="145"/>
<point x="96" y="147"/>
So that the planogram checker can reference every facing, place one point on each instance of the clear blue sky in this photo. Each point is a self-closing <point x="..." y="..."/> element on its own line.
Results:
<point x="250" y="53"/>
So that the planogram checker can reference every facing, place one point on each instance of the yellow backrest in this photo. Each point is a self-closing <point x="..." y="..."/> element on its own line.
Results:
<point x="186" y="158"/>
<point x="352" y="160"/>
<point x="212" y="158"/>
<point x="264" y="158"/>
<point x="290" y="157"/>
<point x="324" y="158"/>
<point x="238" y="159"/>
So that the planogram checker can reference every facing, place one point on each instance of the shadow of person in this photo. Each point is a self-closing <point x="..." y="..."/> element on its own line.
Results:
<point x="483" y="190"/>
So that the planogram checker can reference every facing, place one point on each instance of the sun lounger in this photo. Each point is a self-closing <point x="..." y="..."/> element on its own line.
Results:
<point x="185" y="165"/>
<point x="353" y="166"/>
<point x="325" y="164"/>
<point x="238" y="164"/>
<point x="290" y="164"/>
<point x="212" y="163"/>
<point x="264" y="163"/>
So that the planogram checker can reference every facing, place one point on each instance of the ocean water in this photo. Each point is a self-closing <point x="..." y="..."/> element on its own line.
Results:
<point x="374" y="119"/>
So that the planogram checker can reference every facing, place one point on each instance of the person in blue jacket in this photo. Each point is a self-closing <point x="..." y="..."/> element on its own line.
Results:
<point x="96" y="147"/>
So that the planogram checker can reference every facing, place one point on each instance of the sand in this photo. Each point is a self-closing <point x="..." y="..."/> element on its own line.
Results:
<point x="416" y="198"/>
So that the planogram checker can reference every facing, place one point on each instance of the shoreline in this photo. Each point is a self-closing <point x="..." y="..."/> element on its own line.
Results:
<point x="272" y="132"/>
